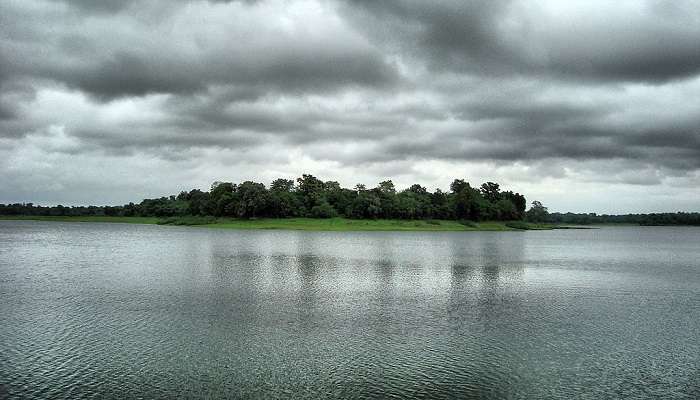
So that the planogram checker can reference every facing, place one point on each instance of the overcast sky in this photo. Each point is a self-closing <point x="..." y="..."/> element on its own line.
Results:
<point x="583" y="105"/>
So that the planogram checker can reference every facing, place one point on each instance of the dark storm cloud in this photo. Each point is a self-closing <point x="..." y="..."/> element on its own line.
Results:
<point x="369" y="87"/>
<point x="145" y="140"/>
<point x="513" y="141"/>
<point x="113" y="6"/>
<point x="652" y="41"/>
<point x="300" y="70"/>
<point x="99" y="6"/>
<point x="7" y="112"/>
<point x="452" y="34"/>
<point x="144" y="57"/>
<point x="124" y="74"/>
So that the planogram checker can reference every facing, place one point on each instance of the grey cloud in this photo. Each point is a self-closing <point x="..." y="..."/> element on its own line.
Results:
<point x="12" y="122"/>
<point x="98" y="6"/>
<point x="153" y="140"/>
<point x="124" y="74"/>
<point x="7" y="111"/>
<point x="649" y="44"/>
<point x="450" y="34"/>
<point x="371" y="89"/>
<point x="527" y="131"/>
<point x="641" y="53"/>
<point x="144" y="59"/>
<point x="115" y="6"/>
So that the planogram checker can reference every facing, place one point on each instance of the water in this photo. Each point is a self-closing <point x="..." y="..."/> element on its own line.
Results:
<point x="116" y="310"/>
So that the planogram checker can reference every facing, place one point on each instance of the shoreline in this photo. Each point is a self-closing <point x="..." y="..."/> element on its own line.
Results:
<point x="307" y="224"/>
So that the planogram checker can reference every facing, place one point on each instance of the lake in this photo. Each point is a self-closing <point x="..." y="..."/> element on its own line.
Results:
<point x="118" y="310"/>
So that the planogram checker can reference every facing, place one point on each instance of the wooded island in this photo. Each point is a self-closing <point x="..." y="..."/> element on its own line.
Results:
<point x="311" y="198"/>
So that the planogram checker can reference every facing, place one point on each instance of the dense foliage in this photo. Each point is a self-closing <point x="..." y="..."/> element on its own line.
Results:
<point x="311" y="197"/>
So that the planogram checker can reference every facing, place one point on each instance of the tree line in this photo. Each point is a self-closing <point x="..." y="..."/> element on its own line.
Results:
<point x="309" y="196"/>
<point x="539" y="213"/>
<point x="678" y="218"/>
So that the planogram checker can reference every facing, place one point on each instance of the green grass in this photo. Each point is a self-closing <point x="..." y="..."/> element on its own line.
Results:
<point x="187" y="220"/>
<point x="530" y="226"/>
<point x="543" y="227"/>
<point x="308" y="224"/>
<point x="340" y="224"/>
<point x="125" y="220"/>
<point x="344" y="224"/>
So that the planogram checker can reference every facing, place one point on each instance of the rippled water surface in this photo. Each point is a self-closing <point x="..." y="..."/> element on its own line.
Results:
<point x="117" y="310"/>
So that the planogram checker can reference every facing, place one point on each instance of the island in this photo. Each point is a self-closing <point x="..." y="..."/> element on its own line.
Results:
<point x="309" y="203"/>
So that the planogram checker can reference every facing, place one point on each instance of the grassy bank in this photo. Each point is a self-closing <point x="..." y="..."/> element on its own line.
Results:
<point x="342" y="224"/>
<point x="124" y="220"/>
<point x="310" y="224"/>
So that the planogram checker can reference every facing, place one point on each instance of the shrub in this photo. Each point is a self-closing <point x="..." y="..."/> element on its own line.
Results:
<point x="518" y="225"/>
<point x="323" y="210"/>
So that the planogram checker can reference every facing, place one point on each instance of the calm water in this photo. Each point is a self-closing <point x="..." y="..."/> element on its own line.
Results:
<point x="113" y="310"/>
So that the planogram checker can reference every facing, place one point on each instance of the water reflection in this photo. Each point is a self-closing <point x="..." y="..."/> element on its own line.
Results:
<point x="461" y="275"/>
<point x="496" y="261"/>
<point x="308" y="299"/>
<point x="384" y="273"/>
<point x="90" y="310"/>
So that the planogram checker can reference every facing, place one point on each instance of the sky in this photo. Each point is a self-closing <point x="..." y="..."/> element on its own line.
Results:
<point x="584" y="105"/>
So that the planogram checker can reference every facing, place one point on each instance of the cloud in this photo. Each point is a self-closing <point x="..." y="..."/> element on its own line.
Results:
<point x="548" y="98"/>
<point x="632" y="41"/>
<point x="264" y="47"/>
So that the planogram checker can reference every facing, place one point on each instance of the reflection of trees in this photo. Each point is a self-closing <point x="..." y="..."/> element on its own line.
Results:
<point x="382" y="251"/>
<point x="385" y="270"/>
<point x="482" y="306"/>
<point x="308" y="266"/>
<point x="488" y="260"/>
<point x="460" y="274"/>
<point x="306" y="299"/>
<point x="484" y="268"/>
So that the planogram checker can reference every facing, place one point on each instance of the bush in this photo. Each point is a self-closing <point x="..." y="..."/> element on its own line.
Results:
<point x="323" y="210"/>
<point x="518" y="225"/>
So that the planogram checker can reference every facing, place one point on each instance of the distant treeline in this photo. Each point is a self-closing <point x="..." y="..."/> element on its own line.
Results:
<point x="310" y="197"/>
<point x="679" y="218"/>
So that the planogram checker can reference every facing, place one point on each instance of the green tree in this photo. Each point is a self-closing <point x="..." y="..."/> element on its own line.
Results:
<point x="537" y="212"/>
<point x="323" y="210"/>
<point x="252" y="199"/>
<point x="491" y="191"/>
<point x="414" y="203"/>
<point x="458" y="185"/>
<point x="468" y="203"/>
<point x="338" y="197"/>
<point x="282" y="185"/>
<point x="440" y="203"/>
<point x="221" y="199"/>
<point x="282" y="201"/>
<point x="386" y="192"/>
<point x="505" y="210"/>
<point x="365" y="205"/>
<point x="311" y="190"/>
<point x="518" y="201"/>
<point x="197" y="202"/>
